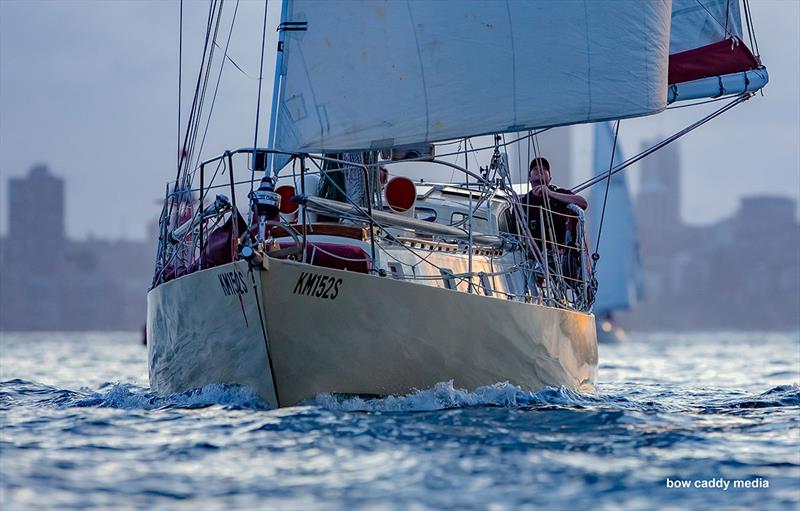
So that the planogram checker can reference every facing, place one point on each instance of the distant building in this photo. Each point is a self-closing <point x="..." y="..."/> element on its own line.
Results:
<point x="658" y="200"/>
<point x="742" y="273"/>
<point x="31" y="287"/>
<point x="48" y="282"/>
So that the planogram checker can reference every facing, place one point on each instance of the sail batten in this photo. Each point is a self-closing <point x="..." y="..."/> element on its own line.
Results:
<point x="409" y="72"/>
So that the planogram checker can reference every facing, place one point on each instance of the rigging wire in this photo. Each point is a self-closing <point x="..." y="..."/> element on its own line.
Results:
<point x="704" y="102"/>
<point x="523" y="137"/>
<point x="216" y="87"/>
<point x="751" y="29"/>
<point x="184" y="148"/>
<point x="183" y="155"/>
<point x="630" y="161"/>
<point x="725" y="26"/>
<point x="201" y="103"/>
<point x="237" y="66"/>
<point x="260" y="80"/>
<point x="180" y="78"/>
<point x="596" y="255"/>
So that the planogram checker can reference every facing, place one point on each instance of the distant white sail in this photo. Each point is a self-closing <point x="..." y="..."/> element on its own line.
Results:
<point x="618" y="270"/>
<point x="374" y="74"/>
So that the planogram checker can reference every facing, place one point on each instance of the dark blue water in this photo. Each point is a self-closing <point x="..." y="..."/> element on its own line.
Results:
<point x="80" y="430"/>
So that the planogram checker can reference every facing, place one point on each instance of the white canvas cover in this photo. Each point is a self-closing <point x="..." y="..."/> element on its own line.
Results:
<point x="374" y="73"/>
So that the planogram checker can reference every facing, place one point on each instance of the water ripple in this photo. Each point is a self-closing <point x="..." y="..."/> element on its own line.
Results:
<point x="85" y="432"/>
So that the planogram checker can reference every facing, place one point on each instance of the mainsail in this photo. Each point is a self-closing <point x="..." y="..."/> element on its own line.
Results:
<point x="618" y="270"/>
<point x="418" y="71"/>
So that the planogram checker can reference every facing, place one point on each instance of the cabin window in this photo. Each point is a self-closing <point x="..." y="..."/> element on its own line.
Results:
<point x="505" y="220"/>
<point x="425" y="214"/>
<point x="486" y="284"/>
<point x="448" y="278"/>
<point x="396" y="269"/>
<point x="479" y="224"/>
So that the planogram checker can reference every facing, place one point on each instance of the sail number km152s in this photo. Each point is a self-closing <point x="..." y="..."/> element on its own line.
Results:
<point x="320" y="286"/>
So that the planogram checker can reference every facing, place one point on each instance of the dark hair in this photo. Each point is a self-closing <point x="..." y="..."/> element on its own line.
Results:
<point x="542" y="161"/>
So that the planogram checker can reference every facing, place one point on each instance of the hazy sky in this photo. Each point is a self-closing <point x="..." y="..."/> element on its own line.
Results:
<point x="90" y="88"/>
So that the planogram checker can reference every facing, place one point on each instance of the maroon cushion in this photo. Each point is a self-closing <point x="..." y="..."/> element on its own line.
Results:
<point x="338" y="256"/>
<point x="220" y="247"/>
<point x="717" y="59"/>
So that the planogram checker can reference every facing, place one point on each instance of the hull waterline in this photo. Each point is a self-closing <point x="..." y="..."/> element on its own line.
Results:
<point x="302" y="330"/>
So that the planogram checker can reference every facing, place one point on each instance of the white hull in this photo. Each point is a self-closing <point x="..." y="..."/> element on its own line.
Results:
<point x="353" y="333"/>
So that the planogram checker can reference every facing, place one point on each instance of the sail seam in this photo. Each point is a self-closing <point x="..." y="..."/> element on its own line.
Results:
<point x="317" y="106"/>
<point x="711" y="15"/>
<point x="422" y="73"/>
<point x="513" y="65"/>
<point x="588" y="63"/>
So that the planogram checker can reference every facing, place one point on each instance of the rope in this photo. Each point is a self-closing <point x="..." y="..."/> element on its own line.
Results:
<point x="237" y="66"/>
<point x="596" y="255"/>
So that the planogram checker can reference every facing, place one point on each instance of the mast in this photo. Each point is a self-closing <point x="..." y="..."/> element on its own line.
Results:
<point x="276" y="89"/>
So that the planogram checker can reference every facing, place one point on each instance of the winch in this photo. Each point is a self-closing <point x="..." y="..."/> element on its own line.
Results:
<point x="265" y="201"/>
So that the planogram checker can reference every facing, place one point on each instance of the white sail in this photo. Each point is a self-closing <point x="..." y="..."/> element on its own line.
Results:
<point x="697" y="23"/>
<point x="374" y="74"/>
<point x="618" y="270"/>
<point x="707" y="55"/>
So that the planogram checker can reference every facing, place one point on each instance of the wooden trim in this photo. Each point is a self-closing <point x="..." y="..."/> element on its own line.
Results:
<point x="328" y="229"/>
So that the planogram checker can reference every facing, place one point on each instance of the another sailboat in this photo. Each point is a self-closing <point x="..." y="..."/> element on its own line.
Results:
<point x="417" y="283"/>
<point x="618" y="271"/>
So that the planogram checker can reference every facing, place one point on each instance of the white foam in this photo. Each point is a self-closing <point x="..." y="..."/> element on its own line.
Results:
<point x="444" y="395"/>
<point x="128" y="396"/>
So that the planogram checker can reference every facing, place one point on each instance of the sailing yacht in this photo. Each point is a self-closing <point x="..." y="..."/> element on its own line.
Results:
<point x="618" y="271"/>
<point x="313" y="265"/>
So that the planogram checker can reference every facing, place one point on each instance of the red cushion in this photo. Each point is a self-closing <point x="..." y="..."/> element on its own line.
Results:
<point x="335" y="255"/>
<point x="717" y="59"/>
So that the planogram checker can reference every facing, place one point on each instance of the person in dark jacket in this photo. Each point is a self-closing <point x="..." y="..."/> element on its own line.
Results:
<point x="562" y="233"/>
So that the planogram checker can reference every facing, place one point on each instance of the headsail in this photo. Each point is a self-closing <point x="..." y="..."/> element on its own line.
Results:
<point x="417" y="71"/>
<point x="618" y="270"/>
<point x="708" y="57"/>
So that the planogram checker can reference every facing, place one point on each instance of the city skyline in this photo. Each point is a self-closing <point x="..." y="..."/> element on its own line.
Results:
<point x="684" y="265"/>
<point x="83" y="92"/>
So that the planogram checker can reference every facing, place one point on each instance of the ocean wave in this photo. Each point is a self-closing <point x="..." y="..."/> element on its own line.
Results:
<point x="127" y="396"/>
<point x="782" y="395"/>
<point x="444" y="395"/>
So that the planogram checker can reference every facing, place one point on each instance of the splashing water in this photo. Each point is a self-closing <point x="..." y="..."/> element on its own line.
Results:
<point x="81" y="430"/>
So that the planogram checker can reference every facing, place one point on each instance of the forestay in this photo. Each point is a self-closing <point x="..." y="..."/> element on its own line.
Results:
<point x="375" y="74"/>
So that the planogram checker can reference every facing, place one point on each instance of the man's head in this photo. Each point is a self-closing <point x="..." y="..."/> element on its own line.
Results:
<point x="539" y="173"/>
